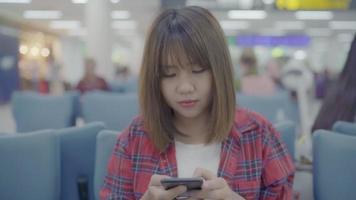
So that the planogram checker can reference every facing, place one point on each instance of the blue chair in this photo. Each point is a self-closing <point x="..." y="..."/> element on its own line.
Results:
<point x="115" y="110"/>
<point x="30" y="166"/>
<point x="347" y="128"/>
<point x="33" y="111"/>
<point x="75" y="95"/>
<point x="275" y="108"/>
<point x="287" y="129"/>
<point x="77" y="160"/>
<point x="334" y="161"/>
<point x="105" y="143"/>
<point x="129" y="86"/>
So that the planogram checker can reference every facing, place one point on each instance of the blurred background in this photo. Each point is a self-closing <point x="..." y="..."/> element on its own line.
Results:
<point x="286" y="56"/>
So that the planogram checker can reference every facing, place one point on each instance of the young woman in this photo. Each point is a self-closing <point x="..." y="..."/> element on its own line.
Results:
<point x="189" y="126"/>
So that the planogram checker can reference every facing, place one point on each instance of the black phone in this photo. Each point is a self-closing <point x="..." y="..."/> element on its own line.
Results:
<point x="191" y="183"/>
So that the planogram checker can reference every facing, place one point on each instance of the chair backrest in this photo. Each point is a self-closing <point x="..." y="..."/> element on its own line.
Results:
<point x="115" y="110"/>
<point x="334" y="161"/>
<point x="30" y="166"/>
<point x="343" y="127"/>
<point x="275" y="108"/>
<point x="33" y="111"/>
<point x="129" y="86"/>
<point x="287" y="129"/>
<point x="105" y="143"/>
<point x="78" y="158"/>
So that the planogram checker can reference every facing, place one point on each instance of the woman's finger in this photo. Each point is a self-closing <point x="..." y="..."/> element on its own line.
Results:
<point x="206" y="174"/>
<point x="214" y="184"/>
<point x="174" y="192"/>
<point x="156" y="179"/>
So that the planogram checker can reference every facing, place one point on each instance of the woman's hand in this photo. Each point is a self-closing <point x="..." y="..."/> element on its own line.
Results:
<point x="213" y="187"/>
<point x="156" y="191"/>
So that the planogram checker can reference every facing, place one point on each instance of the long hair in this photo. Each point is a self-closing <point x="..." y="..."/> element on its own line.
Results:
<point x="195" y="32"/>
<point x="340" y="101"/>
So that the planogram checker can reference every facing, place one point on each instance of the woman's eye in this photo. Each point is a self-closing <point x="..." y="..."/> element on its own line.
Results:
<point x="168" y="72"/>
<point x="169" y="75"/>
<point x="198" y="69"/>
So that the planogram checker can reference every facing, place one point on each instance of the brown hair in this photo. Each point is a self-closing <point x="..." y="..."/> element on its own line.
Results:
<point x="197" y="33"/>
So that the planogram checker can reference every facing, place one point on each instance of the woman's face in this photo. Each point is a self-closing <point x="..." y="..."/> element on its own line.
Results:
<point x="187" y="89"/>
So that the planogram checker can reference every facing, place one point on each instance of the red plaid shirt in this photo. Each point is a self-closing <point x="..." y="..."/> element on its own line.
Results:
<point x="254" y="161"/>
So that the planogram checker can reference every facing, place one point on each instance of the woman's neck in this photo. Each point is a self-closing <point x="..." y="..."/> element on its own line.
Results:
<point x="195" y="130"/>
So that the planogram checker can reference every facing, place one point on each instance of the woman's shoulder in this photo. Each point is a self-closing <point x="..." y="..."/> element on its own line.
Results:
<point x="135" y="134"/>
<point x="134" y="129"/>
<point x="249" y="121"/>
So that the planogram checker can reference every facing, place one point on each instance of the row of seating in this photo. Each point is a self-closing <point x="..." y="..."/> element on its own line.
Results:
<point x="33" y="111"/>
<point x="68" y="163"/>
<point x="277" y="107"/>
<point x="55" y="164"/>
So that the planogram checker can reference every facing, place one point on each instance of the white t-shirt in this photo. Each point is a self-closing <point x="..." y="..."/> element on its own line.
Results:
<point x="191" y="156"/>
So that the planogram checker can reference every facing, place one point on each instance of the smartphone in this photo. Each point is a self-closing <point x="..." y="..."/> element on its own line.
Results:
<point x="191" y="183"/>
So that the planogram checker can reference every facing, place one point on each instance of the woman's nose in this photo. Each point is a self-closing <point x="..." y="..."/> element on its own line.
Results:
<point x="185" y="84"/>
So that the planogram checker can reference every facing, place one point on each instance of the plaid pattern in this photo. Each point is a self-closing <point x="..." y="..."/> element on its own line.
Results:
<point x="254" y="161"/>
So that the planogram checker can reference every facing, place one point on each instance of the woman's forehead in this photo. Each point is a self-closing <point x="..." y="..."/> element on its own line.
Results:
<point x="178" y="57"/>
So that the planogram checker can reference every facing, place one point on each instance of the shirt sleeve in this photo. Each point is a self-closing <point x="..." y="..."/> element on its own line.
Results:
<point x="118" y="183"/>
<point x="278" y="170"/>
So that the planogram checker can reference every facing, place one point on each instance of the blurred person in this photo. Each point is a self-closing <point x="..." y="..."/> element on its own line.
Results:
<point x="90" y="80"/>
<point x="122" y="74"/>
<point x="273" y="69"/>
<point x="190" y="127"/>
<point x="124" y="80"/>
<point x="340" y="101"/>
<point x="253" y="83"/>
<point x="322" y="81"/>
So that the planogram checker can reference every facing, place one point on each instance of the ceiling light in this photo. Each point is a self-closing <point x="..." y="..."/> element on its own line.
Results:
<point x="247" y="14"/>
<point x="15" y="1"/>
<point x="233" y="25"/>
<point x="120" y="14"/>
<point x="79" y="1"/>
<point x="115" y="1"/>
<point x="45" y="52"/>
<point x="23" y="49"/>
<point x="314" y="15"/>
<point x="64" y="24"/>
<point x="42" y="14"/>
<point x="34" y="51"/>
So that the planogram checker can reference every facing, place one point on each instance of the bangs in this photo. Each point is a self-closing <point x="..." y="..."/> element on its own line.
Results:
<point x="182" y="50"/>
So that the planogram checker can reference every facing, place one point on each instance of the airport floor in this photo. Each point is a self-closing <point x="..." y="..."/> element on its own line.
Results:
<point x="303" y="182"/>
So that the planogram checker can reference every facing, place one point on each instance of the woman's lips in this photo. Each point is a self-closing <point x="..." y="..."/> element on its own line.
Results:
<point x="188" y="103"/>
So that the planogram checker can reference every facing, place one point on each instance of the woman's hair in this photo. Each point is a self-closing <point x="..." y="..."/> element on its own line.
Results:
<point x="179" y="34"/>
<point x="340" y="102"/>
